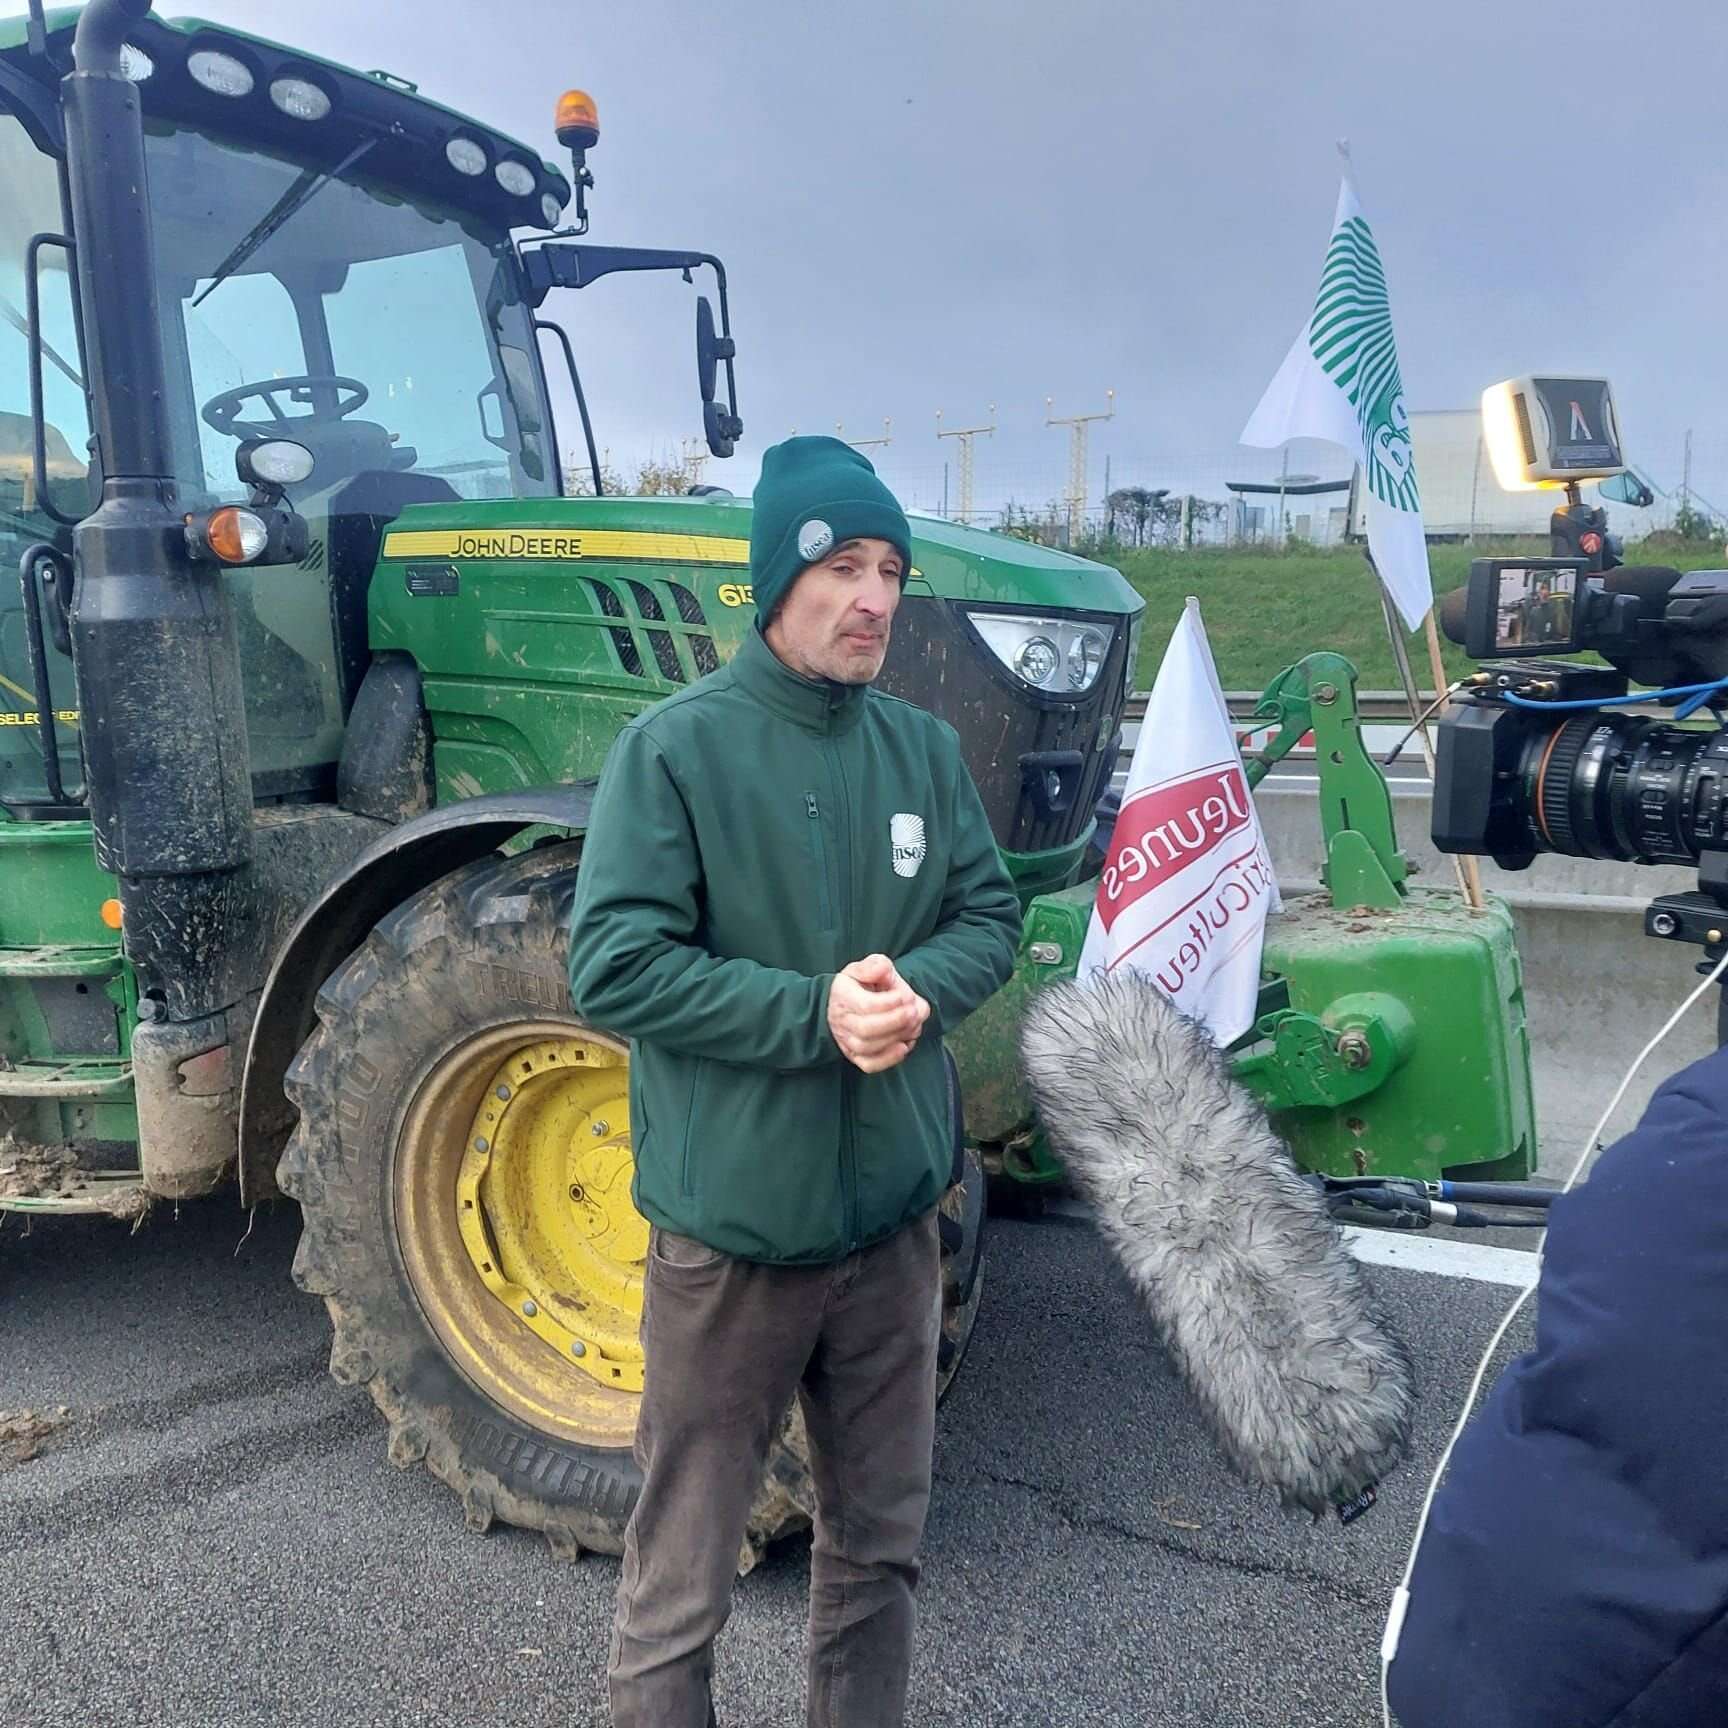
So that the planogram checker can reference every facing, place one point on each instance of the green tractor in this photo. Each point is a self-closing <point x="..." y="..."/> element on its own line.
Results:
<point x="303" y="689"/>
<point x="304" y="684"/>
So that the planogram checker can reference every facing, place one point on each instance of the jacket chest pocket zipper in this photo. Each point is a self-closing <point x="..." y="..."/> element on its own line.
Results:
<point x="819" y="860"/>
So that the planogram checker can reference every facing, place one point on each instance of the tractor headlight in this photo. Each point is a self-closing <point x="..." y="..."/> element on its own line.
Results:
<point x="517" y="178"/>
<point x="1060" y="655"/>
<point x="1036" y="659"/>
<point x="1085" y="658"/>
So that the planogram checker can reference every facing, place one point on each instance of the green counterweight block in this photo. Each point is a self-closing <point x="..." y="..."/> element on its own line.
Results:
<point x="1404" y="1050"/>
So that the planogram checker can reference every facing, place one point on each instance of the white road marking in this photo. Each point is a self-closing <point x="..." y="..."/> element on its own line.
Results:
<point x="1441" y="1256"/>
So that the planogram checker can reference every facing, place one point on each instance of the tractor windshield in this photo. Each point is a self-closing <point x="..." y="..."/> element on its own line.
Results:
<point x="384" y="332"/>
<point x="386" y="335"/>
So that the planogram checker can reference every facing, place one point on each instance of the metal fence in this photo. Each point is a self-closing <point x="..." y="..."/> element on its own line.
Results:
<point x="1232" y="496"/>
<point x="1243" y="497"/>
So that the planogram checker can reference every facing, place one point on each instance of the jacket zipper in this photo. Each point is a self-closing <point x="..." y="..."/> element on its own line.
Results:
<point x="848" y="1135"/>
<point x="819" y="857"/>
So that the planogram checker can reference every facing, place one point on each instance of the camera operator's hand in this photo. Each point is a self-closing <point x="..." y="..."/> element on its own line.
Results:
<point x="874" y="1015"/>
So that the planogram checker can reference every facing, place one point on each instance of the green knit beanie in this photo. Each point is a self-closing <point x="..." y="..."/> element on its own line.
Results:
<point x="815" y="494"/>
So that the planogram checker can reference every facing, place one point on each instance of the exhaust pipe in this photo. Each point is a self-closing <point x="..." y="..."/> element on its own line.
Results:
<point x="153" y="644"/>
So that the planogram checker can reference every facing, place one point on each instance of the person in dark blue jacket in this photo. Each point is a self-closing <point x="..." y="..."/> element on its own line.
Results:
<point x="1575" y="1570"/>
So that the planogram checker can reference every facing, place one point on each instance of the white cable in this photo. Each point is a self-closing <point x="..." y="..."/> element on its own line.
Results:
<point x="1401" y="1596"/>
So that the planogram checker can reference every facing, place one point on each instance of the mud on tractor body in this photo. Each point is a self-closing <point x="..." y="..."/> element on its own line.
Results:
<point x="295" y="766"/>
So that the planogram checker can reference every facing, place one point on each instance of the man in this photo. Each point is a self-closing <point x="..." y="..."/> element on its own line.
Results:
<point x="1575" y="1569"/>
<point x="1539" y="624"/>
<point x="788" y="894"/>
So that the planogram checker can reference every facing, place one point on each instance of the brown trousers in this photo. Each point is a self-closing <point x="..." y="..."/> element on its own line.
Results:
<point x="728" y="1342"/>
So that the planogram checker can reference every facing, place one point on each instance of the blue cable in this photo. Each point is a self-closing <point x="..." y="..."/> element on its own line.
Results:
<point x="1698" y="695"/>
<point x="1693" y="703"/>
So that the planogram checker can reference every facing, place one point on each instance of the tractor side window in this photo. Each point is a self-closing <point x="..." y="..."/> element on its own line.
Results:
<point x="31" y="205"/>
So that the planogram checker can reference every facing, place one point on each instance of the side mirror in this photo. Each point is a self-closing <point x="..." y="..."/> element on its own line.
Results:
<point x="722" y="430"/>
<point x="721" y="426"/>
<point x="1626" y="488"/>
<point x="711" y="349"/>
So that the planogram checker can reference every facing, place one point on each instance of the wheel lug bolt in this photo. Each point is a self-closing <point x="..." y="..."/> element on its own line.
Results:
<point x="577" y="1347"/>
<point x="530" y="1309"/>
<point x="504" y="1092"/>
<point x="576" y="1192"/>
<point x="600" y="1129"/>
<point x="482" y="1144"/>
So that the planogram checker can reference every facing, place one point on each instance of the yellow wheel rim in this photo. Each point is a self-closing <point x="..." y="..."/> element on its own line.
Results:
<point x="512" y="1182"/>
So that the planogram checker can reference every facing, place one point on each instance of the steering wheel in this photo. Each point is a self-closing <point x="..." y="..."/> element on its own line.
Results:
<point x="223" y="409"/>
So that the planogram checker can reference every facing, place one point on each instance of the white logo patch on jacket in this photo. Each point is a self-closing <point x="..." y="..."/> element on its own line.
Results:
<point x="906" y="839"/>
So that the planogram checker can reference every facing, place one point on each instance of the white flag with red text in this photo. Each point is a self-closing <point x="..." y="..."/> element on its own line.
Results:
<point x="1187" y="880"/>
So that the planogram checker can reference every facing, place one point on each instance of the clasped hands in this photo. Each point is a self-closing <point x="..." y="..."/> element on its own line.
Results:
<point x="874" y="1015"/>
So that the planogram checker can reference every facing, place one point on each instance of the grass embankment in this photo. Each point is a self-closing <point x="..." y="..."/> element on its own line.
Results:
<point x="1263" y="610"/>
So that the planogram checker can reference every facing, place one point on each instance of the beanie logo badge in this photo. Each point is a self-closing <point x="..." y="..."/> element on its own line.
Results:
<point x="906" y="842"/>
<point x="815" y="540"/>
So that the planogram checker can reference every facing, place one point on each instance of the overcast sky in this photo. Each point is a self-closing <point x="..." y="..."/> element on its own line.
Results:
<point x="954" y="203"/>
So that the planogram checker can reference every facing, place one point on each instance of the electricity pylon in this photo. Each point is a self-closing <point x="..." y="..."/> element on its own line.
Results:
<point x="966" y="434"/>
<point x="1077" y="425"/>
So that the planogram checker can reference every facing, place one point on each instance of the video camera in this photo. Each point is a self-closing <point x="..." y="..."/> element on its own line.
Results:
<point x="1528" y="758"/>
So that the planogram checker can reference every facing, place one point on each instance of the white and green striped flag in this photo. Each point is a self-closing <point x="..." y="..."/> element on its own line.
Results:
<point x="1340" y="382"/>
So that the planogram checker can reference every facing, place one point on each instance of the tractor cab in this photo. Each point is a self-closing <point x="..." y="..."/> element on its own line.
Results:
<point x="333" y="265"/>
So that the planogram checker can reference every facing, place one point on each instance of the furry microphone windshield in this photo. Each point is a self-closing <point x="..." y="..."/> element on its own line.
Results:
<point x="1266" y="1314"/>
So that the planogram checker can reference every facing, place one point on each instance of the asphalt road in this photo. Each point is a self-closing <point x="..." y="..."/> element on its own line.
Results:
<point x="217" y="1538"/>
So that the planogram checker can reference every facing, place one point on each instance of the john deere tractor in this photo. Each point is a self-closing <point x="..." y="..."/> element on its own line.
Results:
<point x="304" y="684"/>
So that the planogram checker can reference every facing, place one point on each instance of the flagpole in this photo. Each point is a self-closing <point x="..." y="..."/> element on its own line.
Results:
<point x="1340" y="383"/>
<point x="1464" y="867"/>
<point x="1469" y="872"/>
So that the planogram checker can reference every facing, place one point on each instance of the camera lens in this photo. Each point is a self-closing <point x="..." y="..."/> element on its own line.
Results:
<point x="1617" y="786"/>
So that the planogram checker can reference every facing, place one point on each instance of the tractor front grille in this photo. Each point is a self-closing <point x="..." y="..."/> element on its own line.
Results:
<point x="640" y="636"/>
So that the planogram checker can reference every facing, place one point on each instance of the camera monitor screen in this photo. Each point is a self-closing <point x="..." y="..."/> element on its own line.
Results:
<point x="1533" y="609"/>
<point x="1523" y="606"/>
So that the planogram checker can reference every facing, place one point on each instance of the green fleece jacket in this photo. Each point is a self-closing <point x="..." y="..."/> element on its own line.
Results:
<point x="750" y="837"/>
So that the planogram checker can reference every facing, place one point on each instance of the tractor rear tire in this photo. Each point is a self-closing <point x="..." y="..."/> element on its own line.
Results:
<point x="455" y="995"/>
